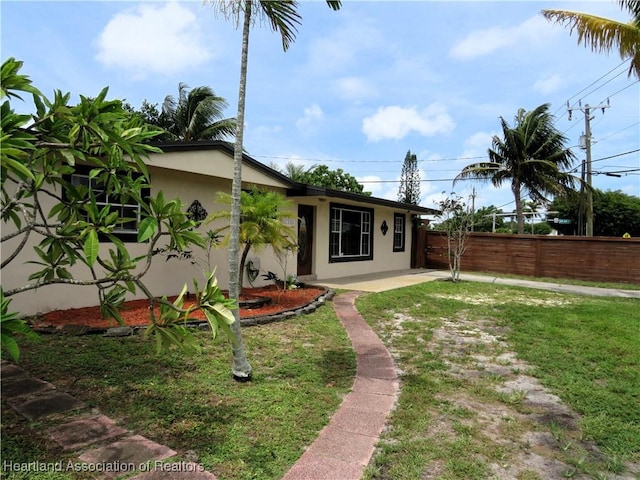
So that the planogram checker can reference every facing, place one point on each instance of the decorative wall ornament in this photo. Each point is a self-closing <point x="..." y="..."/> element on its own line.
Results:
<point x="196" y="211"/>
<point x="253" y="269"/>
<point x="384" y="228"/>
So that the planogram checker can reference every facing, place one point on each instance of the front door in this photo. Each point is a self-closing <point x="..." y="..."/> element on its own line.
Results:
<point x="305" y="240"/>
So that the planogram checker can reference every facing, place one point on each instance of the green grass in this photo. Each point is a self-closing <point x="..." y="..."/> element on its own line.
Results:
<point x="583" y="349"/>
<point x="257" y="430"/>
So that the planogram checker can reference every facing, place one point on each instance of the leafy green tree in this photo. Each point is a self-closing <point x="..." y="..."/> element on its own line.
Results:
<point x="263" y="214"/>
<point x="197" y="114"/>
<point x="153" y="116"/>
<point x="38" y="153"/>
<point x="541" y="228"/>
<point x="615" y="213"/>
<point x="483" y="219"/>
<point x="284" y="18"/>
<point x="322" y="176"/>
<point x="604" y="34"/>
<point x="409" y="191"/>
<point x="531" y="156"/>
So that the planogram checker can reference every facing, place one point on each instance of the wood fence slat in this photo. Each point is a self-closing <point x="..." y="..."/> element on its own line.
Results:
<point x="602" y="259"/>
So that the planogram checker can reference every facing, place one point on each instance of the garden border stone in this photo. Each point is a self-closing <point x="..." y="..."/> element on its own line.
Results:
<point x="125" y="331"/>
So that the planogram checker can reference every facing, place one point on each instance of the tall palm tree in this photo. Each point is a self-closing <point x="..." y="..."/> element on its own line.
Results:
<point x="283" y="17"/>
<point x="603" y="34"/>
<point x="531" y="156"/>
<point x="197" y="114"/>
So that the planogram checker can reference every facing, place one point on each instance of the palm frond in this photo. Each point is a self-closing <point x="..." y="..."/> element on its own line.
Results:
<point x="483" y="171"/>
<point x="283" y="17"/>
<point x="603" y="34"/>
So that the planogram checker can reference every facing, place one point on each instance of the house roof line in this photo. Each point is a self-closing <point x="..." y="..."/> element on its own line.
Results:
<point x="295" y="189"/>
<point x="302" y="190"/>
<point x="228" y="148"/>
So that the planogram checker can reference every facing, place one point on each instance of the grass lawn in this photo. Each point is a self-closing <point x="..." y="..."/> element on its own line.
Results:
<point x="452" y="420"/>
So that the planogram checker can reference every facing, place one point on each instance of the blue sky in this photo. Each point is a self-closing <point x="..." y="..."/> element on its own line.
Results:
<point x="359" y="87"/>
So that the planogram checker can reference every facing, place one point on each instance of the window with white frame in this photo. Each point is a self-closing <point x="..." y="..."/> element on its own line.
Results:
<point x="126" y="208"/>
<point x="398" y="232"/>
<point x="351" y="237"/>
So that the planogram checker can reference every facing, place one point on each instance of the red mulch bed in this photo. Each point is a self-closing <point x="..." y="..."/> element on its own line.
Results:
<point x="136" y="312"/>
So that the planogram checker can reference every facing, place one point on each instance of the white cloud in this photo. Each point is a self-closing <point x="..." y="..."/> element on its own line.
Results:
<point x="479" y="140"/>
<point x="354" y="88"/>
<point x="344" y="47"/>
<point x="549" y="84"/>
<point x="489" y="40"/>
<point x="395" y="122"/>
<point x="154" y="40"/>
<point x="476" y="146"/>
<point x="312" y="115"/>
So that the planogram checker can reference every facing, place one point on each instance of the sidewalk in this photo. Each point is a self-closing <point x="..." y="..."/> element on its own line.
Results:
<point x="555" y="287"/>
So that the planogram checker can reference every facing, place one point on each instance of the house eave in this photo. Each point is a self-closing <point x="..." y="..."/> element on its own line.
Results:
<point x="302" y="190"/>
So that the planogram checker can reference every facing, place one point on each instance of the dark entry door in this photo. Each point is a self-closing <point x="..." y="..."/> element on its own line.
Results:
<point x="305" y="240"/>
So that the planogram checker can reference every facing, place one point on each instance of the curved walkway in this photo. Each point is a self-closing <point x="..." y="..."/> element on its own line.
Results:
<point x="345" y="446"/>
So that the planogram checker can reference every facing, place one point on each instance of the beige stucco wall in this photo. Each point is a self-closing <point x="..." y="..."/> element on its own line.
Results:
<point x="165" y="277"/>
<point x="384" y="258"/>
<point x="210" y="163"/>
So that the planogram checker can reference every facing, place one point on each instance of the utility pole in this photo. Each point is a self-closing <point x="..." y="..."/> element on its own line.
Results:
<point x="586" y="138"/>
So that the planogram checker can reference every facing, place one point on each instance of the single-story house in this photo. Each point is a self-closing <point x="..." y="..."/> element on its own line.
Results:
<point x="339" y="233"/>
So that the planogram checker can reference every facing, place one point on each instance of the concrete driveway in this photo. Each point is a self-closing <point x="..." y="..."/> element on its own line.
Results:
<point x="380" y="282"/>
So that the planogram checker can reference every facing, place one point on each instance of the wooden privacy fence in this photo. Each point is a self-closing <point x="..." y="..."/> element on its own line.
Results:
<point x="602" y="259"/>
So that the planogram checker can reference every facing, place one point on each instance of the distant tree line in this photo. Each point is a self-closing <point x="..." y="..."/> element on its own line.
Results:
<point x="615" y="213"/>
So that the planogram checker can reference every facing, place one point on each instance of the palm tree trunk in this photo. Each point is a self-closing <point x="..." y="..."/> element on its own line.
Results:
<point x="515" y="188"/>
<point x="241" y="368"/>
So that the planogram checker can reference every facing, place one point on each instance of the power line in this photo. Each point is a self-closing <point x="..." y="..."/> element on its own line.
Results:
<point x="600" y="86"/>
<point x="484" y="179"/>
<point x="616" y="155"/>
<point x="624" y="88"/>
<point x="453" y="159"/>
<point x="590" y="85"/>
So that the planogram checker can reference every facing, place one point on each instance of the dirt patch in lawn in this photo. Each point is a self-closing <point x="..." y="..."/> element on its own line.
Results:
<point x="523" y="431"/>
<point x="136" y="313"/>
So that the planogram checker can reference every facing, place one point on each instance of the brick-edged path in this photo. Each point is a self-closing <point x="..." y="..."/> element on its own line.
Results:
<point x="345" y="446"/>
